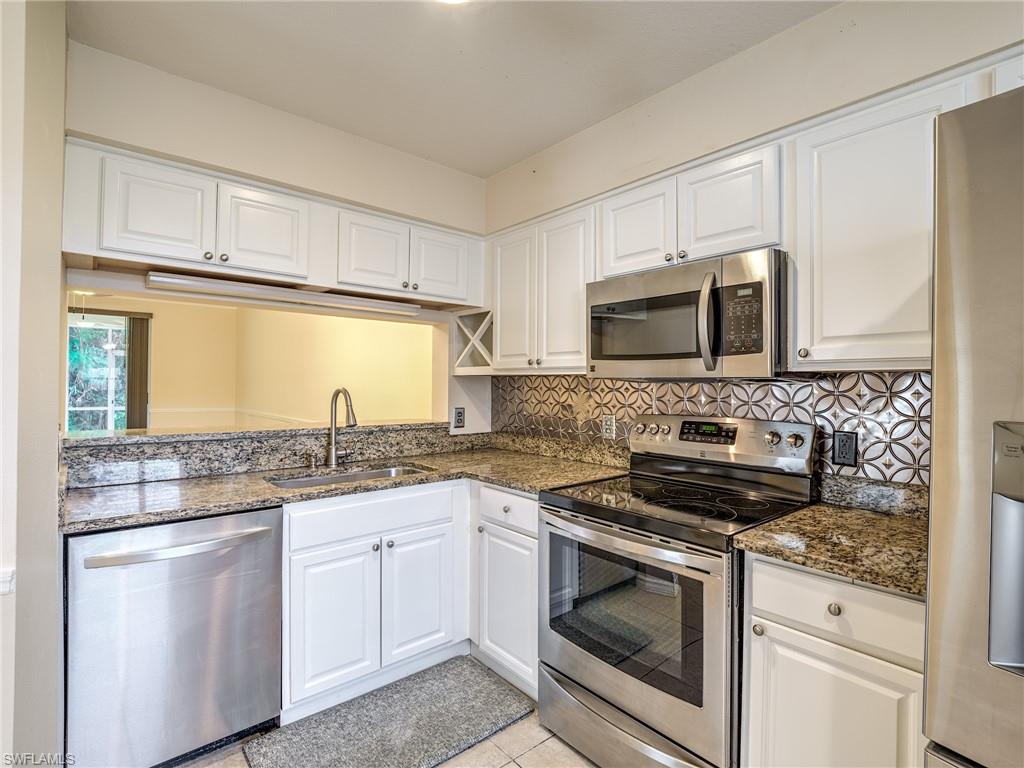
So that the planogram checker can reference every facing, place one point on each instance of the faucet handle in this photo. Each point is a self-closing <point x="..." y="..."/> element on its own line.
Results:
<point x="314" y="460"/>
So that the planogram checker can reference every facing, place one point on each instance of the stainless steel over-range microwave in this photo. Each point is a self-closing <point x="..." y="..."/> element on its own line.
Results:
<point x="714" y="318"/>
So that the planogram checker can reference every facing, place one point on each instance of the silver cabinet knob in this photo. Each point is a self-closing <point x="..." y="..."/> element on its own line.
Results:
<point x="795" y="440"/>
<point x="682" y="254"/>
<point x="506" y="509"/>
<point x="415" y="286"/>
<point x="530" y="361"/>
<point x="376" y="547"/>
<point x="538" y="361"/>
<point x="224" y="257"/>
<point x="479" y="529"/>
<point x="835" y="609"/>
<point x="771" y="437"/>
<point x="803" y="352"/>
<point x="669" y="257"/>
<point x="391" y="545"/>
<point x="405" y="283"/>
<point x="757" y="629"/>
<point x="208" y="256"/>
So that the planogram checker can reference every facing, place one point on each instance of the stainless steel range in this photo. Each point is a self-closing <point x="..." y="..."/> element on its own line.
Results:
<point x="640" y="588"/>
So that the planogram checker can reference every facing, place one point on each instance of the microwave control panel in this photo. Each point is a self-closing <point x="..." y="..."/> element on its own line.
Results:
<point x="744" y="319"/>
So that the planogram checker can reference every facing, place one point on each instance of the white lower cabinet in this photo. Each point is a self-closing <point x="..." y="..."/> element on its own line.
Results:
<point x="376" y="588"/>
<point x="508" y="600"/>
<point x="833" y="676"/>
<point x="334" y="627"/>
<point x="416" y="592"/>
<point x="817" y="704"/>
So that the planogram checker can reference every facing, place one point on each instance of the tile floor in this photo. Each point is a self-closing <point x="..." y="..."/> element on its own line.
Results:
<point x="526" y="744"/>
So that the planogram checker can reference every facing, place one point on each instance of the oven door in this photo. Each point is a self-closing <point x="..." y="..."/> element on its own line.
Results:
<point x="659" y="324"/>
<point x="640" y="623"/>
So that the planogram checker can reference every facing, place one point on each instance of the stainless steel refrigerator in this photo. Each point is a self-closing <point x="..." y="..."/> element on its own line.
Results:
<point x="974" y="665"/>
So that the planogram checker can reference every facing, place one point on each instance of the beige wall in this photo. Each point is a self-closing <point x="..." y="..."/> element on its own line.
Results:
<point x="845" y="54"/>
<point x="38" y="633"/>
<point x="118" y="100"/>
<point x="192" y="360"/>
<point x="290" y="363"/>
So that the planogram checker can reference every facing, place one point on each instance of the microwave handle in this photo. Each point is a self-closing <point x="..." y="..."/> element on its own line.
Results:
<point x="704" y="327"/>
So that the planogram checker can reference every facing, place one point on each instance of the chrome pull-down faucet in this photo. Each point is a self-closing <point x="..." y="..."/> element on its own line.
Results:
<point x="350" y="421"/>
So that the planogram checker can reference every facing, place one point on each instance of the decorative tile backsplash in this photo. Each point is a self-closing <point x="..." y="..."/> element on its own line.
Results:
<point x="890" y="412"/>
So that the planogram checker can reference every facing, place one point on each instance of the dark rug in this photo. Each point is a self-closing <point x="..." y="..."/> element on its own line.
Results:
<point x="417" y="722"/>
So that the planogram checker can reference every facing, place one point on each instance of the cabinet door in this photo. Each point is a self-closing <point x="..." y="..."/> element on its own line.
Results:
<point x="373" y="251"/>
<point x="514" y="299"/>
<point x="565" y="259"/>
<point x="416" y="592"/>
<point x="1009" y="75"/>
<point x="157" y="210"/>
<point x="334" y="616"/>
<point x="864" y="210"/>
<point x="508" y="599"/>
<point x="814" y="703"/>
<point x="439" y="264"/>
<point x="262" y="230"/>
<point x="638" y="229"/>
<point x="730" y="205"/>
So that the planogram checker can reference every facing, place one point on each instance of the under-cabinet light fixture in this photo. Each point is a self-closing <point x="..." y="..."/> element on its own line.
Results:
<point x="274" y="295"/>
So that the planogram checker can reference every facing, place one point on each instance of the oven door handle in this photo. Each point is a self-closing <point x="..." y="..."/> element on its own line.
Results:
<point x="630" y="545"/>
<point x="704" y="327"/>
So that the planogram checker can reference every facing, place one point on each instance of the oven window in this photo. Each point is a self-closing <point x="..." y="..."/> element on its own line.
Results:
<point x="656" y="328"/>
<point x="642" y="620"/>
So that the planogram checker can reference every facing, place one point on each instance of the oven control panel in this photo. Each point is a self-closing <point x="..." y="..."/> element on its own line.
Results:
<point x="744" y="319"/>
<point x="781" y="445"/>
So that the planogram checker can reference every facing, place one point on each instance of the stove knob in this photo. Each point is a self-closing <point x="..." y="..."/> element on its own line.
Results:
<point x="640" y="428"/>
<point x="665" y="429"/>
<point x="772" y="438"/>
<point x="795" y="440"/>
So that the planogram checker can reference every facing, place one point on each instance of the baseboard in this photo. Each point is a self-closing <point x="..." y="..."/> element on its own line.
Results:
<point x="366" y="684"/>
<point x="529" y="687"/>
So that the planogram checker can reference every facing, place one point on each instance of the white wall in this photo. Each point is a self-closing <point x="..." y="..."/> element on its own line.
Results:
<point x="116" y="100"/>
<point x="12" y="85"/>
<point x="38" y="628"/>
<point x="843" y="55"/>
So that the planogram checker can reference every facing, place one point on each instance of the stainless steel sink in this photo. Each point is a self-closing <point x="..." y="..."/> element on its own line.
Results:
<point x="346" y="477"/>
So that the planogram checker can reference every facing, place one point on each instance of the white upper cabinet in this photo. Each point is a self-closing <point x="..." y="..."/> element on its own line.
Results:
<point x="439" y="264"/>
<point x="157" y="210"/>
<point x="815" y="703"/>
<point x="638" y="229"/>
<point x="416" y="592"/>
<point x="515" y="314"/>
<point x="262" y="230"/>
<point x="334" y="627"/>
<point x="864" y="232"/>
<point x="373" y="251"/>
<point x="1009" y="75"/>
<point x="730" y="205"/>
<point x="565" y="264"/>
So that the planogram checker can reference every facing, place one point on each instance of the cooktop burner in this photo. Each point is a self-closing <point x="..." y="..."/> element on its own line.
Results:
<point x="704" y="515"/>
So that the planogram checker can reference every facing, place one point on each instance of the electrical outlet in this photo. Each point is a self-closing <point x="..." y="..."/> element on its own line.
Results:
<point x="844" y="449"/>
<point x="459" y="420"/>
<point x="608" y="427"/>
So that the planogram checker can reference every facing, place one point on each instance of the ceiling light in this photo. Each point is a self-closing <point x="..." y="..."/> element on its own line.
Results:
<point x="275" y="295"/>
<point x="77" y="292"/>
<point x="452" y="2"/>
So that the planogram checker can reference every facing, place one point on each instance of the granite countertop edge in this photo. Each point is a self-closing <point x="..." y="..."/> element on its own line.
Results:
<point x="438" y="468"/>
<point x="875" y="548"/>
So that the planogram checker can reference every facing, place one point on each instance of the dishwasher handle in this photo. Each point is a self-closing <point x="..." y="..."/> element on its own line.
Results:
<point x="230" y="541"/>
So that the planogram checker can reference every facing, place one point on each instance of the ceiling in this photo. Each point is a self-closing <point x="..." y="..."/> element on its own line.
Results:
<point x="477" y="86"/>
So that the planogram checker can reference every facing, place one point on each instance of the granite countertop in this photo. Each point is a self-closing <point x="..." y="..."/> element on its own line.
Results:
<point x="884" y="550"/>
<point x="117" y="506"/>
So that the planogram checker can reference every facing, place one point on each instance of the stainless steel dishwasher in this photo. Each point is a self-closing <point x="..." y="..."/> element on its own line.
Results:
<point x="173" y="637"/>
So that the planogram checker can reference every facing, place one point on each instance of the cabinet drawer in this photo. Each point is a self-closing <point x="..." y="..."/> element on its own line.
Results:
<point x="315" y="523"/>
<point x="868" y="619"/>
<point x="509" y="509"/>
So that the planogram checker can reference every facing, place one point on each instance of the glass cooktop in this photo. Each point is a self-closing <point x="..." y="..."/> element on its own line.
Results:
<point x="702" y="514"/>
